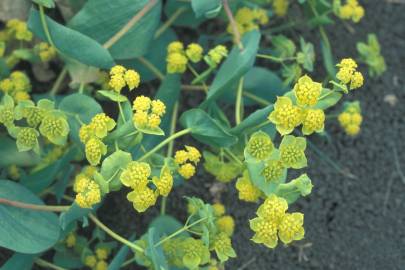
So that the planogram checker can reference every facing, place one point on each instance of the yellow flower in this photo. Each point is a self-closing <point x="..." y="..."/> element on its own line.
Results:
<point x="285" y="115"/>
<point x="273" y="208"/>
<point x="357" y="80"/>
<point x="352" y="130"/>
<point x="181" y="157"/>
<point x="347" y="73"/>
<point x="20" y="95"/>
<point x="102" y="253"/>
<point x="226" y="224"/>
<point x="81" y="183"/>
<point x="158" y="107"/>
<point x="153" y="120"/>
<point x="273" y="171"/>
<point x="219" y="209"/>
<point x="314" y="121"/>
<point x="136" y="175"/>
<point x="18" y="30"/>
<point x="90" y="196"/>
<point x="247" y="191"/>
<point x="193" y="154"/>
<point x="292" y="151"/>
<point x="6" y="85"/>
<point x="175" y="47"/>
<point x="141" y="103"/>
<point x="351" y="10"/>
<point x="344" y="119"/>
<point x="186" y="170"/>
<point x="140" y="118"/>
<point x="265" y="231"/>
<point x="164" y="183"/>
<point x="71" y="240"/>
<point x="132" y="79"/>
<point x="90" y="261"/>
<point x="218" y="53"/>
<point x="117" y="70"/>
<point x="222" y="245"/>
<point x="45" y="51"/>
<point x="194" y="52"/>
<point x="356" y="119"/>
<point x="351" y="118"/>
<point x="117" y="82"/>
<point x="95" y="149"/>
<point x="280" y="7"/>
<point x="307" y="91"/>
<point x="101" y="265"/>
<point x="101" y="124"/>
<point x="142" y="198"/>
<point x="248" y="19"/>
<point x="176" y="63"/>
<point x="358" y="14"/>
<point x="85" y="133"/>
<point x="260" y="145"/>
<point x="291" y="228"/>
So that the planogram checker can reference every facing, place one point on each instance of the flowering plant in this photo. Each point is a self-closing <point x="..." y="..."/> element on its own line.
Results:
<point x="114" y="126"/>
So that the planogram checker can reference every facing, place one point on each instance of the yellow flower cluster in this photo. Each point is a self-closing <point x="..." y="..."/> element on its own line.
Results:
<point x="249" y="19"/>
<point x="280" y="7"/>
<point x="164" y="183"/>
<point x="17" y="85"/>
<point x="91" y="136"/>
<point x="45" y="51"/>
<point x="247" y="191"/>
<point x="216" y="54"/>
<point x="351" y="120"/>
<point x="70" y="240"/>
<point x="272" y="222"/>
<point x="187" y="160"/>
<point x="287" y="116"/>
<point x="121" y="77"/>
<point x="260" y="145"/>
<point x="16" y="29"/>
<point x="98" y="261"/>
<point x="177" y="57"/>
<point x="351" y="11"/>
<point x="147" y="112"/>
<point x="88" y="191"/>
<point x="348" y="74"/>
<point x="225" y="223"/>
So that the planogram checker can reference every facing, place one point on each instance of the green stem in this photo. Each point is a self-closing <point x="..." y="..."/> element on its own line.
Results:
<point x="114" y="234"/>
<point x="58" y="82"/>
<point x="81" y="88"/>
<point x="35" y="207"/>
<point x="45" y="25"/>
<point x="164" y="142"/>
<point x="234" y="26"/>
<point x="195" y="73"/>
<point x="185" y="228"/>
<point x="169" y="22"/>
<point x="239" y="103"/>
<point x="257" y="99"/>
<point x="121" y="112"/>
<point x="233" y="156"/>
<point x="46" y="264"/>
<point x="128" y="262"/>
<point x="274" y="58"/>
<point x="151" y="68"/>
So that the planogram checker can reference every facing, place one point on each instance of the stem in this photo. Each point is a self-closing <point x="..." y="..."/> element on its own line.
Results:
<point x="46" y="264"/>
<point x="35" y="207"/>
<point x="274" y="58"/>
<point x="232" y="155"/>
<point x="164" y="142"/>
<point x="81" y="88"/>
<point x="239" y="103"/>
<point x="151" y="68"/>
<point x="130" y="24"/>
<point x="192" y="87"/>
<point x="121" y="112"/>
<point x="127" y="262"/>
<point x="235" y="30"/>
<point x="185" y="228"/>
<point x="115" y="235"/>
<point x="195" y="73"/>
<point x="58" y="82"/>
<point x="45" y="25"/>
<point x="169" y="22"/>
<point x="257" y="99"/>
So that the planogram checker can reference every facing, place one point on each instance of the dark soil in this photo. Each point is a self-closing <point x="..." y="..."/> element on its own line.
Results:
<point x="351" y="223"/>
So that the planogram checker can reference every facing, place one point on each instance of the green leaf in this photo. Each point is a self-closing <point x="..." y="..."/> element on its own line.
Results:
<point x="120" y="256"/>
<point x="112" y="166"/>
<point x="205" y="129"/>
<point x="328" y="99"/>
<point x="207" y="8"/>
<point x="74" y="213"/>
<point x="70" y="42"/>
<point x="19" y="261"/>
<point x="186" y="18"/>
<point x="67" y="259"/>
<point x="10" y="155"/>
<point x="165" y="225"/>
<point x="24" y="230"/>
<point x="81" y="107"/>
<point x="235" y="66"/>
<point x="102" y="19"/>
<point x="328" y="61"/>
<point x="151" y="131"/>
<point x="155" y="253"/>
<point x="45" y="3"/>
<point x="112" y="95"/>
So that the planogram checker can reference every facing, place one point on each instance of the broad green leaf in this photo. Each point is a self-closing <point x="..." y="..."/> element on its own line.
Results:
<point x="205" y="129"/>
<point x="112" y="166"/>
<point x="10" y="155"/>
<point x="70" y="42"/>
<point x="79" y="106"/>
<point x="156" y="55"/>
<point x="328" y="99"/>
<point x="155" y="253"/>
<point x="19" y="261"/>
<point x="120" y="256"/>
<point x="67" y="259"/>
<point x="328" y="61"/>
<point x="45" y="3"/>
<point x="235" y="66"/>
<point x="207" y="8"/>
<point x="186" y="18"/>
<point x="112" y="95"/>
<point x="252" y="121"/>
<point x="24" y="230"/>
<point x="102" y="19"/>
<point x="165" y="225"/>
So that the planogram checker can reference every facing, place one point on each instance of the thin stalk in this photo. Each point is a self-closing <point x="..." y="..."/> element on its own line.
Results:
<point x="35" y="207"/>
<point x="114" y="234"/>
<point x="121" y="112"/>
<point x="164" y="142"/>
<point x="151" y="68"/>
<point x="257" y="99"/>
<point x="81" y="87"/>
<point x="274" y="58"/>
<point x="130" y="24"/>
<point x="239" y="103"/>
<point x="233" y="156"/>
<point x="128" y="262"/>
<point x="45" y="25"/>
<point x="231" y="19"/>
<point x="185" y="228"/>
<point x="192" y="87"/>
<point x="47" y="264"/>
<point x="169" y="22"/>
<point x="195" y="73"/>
<point x="58" y="82"/>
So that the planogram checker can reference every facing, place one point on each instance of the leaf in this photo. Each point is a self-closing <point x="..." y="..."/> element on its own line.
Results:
<point x="112" y="95"/>
<point x="155" y="253"/>
<point x="79" y="106"/>
<point x="67" y="259"/>
<point x="112" y="166"/>
<point x="24" y="230"/>
<point x="252" y="121"/>
<point x="186" y="18"/>
<point x="70" y="42"/>
<point x="120" y="256"/>
<point x="328" y="61"/>
<point x="74" y="213"/>
<point x="19" y="261"/>
<point x="205" y="129"/>
<point x="328" y="99"/>
<point x="207" y="8"/>
<point x="165" y="225"/>
<point x="102" y="19"/>
<point x="10" y="155"/>
<point x="235" y="66"/>
<point x="45" y="3"/>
